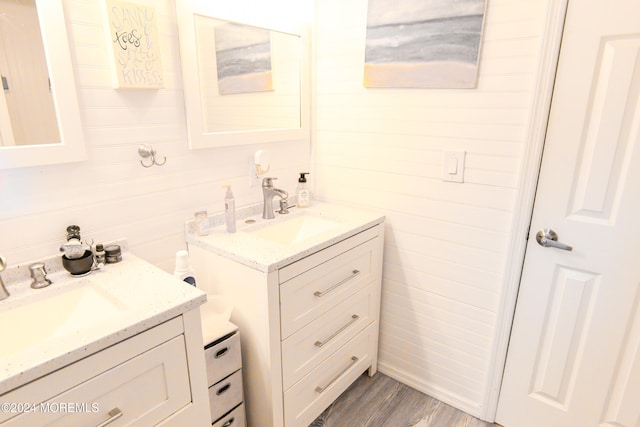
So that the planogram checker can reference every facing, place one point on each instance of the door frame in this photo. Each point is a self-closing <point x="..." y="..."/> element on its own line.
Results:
<point x="527" y="185"/>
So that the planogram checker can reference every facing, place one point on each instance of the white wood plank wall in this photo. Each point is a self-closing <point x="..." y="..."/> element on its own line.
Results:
<point x="446" y="243"/>
<point x="111" y="195"/>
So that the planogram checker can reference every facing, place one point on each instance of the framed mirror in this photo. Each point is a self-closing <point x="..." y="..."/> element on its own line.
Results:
<point x="39" y="114"/>
<point x="244" y="82"/>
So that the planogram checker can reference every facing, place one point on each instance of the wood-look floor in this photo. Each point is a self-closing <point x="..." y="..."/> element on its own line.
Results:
<point x="384" y="402"/>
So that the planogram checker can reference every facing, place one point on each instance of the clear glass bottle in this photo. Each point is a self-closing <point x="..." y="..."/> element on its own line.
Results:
<point x="99" y="254"/>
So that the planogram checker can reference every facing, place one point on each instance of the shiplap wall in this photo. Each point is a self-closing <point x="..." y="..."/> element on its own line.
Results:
<point x="111" y="195"/>
<point x="446" y="243"/>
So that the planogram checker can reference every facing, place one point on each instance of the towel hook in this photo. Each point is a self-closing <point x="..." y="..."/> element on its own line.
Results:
<point x="261" y="161"/>
<point x="146" y="151"/>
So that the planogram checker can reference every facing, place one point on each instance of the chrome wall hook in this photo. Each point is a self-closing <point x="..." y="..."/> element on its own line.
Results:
<point x="147" y="151"/>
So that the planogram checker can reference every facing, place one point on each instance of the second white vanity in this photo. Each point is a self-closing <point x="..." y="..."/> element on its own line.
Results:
<point x="306" y="294"/>
<point x="120" y="346"/>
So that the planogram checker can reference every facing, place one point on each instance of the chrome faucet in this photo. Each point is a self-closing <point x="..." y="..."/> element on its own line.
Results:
<point x="268" y="191"/>
<point x="3" y="291"/>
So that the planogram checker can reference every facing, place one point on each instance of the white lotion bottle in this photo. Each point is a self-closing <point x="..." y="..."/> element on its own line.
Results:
<point x="183" y="269"/>
<point x="303" y="197"/>
<point x="230" y="210"/>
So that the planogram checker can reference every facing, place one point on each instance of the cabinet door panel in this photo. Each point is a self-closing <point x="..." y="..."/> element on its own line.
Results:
<point x="145" y="390"/>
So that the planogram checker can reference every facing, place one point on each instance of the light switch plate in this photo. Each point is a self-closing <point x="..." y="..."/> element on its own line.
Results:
<point x="453" y="166"/>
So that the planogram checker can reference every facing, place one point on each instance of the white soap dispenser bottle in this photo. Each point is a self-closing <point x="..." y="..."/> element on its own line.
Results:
<point x="303" y="196"/>
<point x="230" y="210"/>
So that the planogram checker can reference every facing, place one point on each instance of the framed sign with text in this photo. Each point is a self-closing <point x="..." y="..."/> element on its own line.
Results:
<point x="133" y="35"/>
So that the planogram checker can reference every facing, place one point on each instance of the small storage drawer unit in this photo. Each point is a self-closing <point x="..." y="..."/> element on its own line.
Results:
<point x="309" y="325"/>
<point x="224" y="376"/>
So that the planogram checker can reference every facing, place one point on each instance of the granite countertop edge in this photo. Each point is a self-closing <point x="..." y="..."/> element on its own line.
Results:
<point x="228" y="245"/>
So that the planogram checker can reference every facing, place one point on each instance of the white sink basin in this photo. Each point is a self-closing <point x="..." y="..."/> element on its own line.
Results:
<point x="37" y="322"/>
<point x="294" y="229"/>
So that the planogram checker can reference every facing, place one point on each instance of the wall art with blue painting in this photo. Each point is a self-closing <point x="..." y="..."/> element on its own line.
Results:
<point x="423" y="43"/>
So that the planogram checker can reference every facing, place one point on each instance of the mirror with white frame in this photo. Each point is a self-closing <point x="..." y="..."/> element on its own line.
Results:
<point x="244" y="83"/>
<point x="39" y="113"/>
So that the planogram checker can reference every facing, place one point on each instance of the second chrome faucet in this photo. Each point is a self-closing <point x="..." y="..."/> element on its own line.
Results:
<point x="269" y="192"/>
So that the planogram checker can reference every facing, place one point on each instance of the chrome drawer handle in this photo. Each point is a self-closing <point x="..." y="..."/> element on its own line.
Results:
<point x="114" y="414"/>
<point x="354" y="360"/>
<point x="354" y="273"/>
<point x="228" y="423"/>
<point x="354" y="318"/>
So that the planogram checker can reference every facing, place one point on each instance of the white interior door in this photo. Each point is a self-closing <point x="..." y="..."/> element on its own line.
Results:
<point x="574" y="353"/>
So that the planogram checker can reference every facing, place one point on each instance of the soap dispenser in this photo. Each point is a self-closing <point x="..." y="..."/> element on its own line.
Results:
<point x="303" y="196"/>
<point x="230" y="210"/>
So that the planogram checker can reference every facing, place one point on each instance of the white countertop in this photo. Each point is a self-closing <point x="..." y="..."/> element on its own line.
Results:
<point x="146" y="294"/>
<point x="266" y="255"/>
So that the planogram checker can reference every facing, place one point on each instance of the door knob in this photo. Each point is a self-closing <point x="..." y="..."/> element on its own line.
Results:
<point x="549" y="238"/>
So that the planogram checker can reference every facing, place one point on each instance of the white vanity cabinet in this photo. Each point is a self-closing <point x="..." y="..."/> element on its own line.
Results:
<point x="142" y="381"/>
<point x="309" y="323"/>
<point x="120" y="346"/>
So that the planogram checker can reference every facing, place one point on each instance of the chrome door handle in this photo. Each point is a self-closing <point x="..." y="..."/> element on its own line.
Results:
<point x="549" y="238"/>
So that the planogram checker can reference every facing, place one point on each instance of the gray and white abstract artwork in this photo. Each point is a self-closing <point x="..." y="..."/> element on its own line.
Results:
<point x="423" y="43"/>
<point x="243" y="58"/>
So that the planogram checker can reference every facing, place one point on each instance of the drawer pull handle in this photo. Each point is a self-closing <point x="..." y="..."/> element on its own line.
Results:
<point x="354" y="318"/>
<point x="114" y="414"/>
<point x="354" y="360"/>
<point x="221" y="353"/>
<point x="354" y="273"/>
<point x="228" y="423"/>
<point x="222" y="389"/>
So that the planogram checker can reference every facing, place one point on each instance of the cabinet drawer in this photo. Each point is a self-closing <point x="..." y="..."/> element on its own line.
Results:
<point x="292" y="270"/>
<point x="316" y="391"/>
<point x="144" y="390"/>
<point x="310" y="294"/>
<point x="223" y="358"/>
<point x="225" y="395"/>
<point x="307" y="348"/>
<point x="235" y="418"/>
